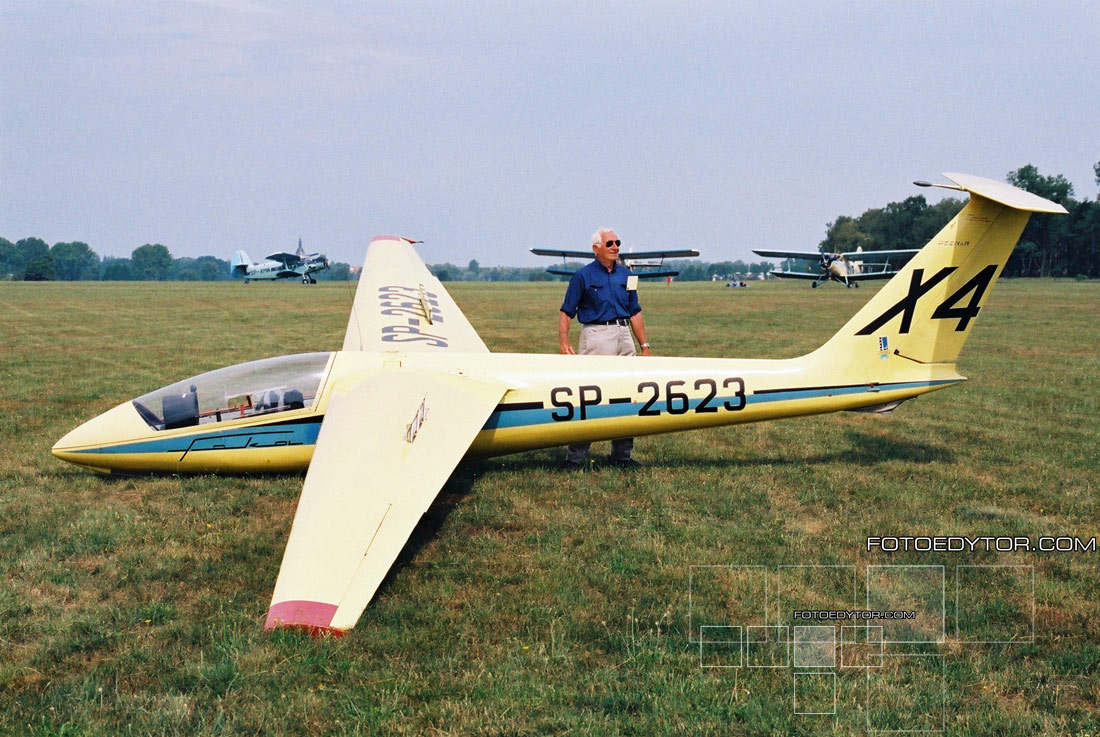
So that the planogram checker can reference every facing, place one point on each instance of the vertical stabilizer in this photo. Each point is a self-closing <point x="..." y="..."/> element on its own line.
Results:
<point x="239" y="263"/>
<point x="926" y="311"/>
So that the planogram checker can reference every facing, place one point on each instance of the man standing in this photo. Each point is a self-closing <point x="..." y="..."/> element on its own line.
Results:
<point x="603" y="296"/>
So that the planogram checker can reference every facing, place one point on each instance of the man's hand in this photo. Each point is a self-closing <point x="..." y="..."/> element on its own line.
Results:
<point x="564" y="346"/>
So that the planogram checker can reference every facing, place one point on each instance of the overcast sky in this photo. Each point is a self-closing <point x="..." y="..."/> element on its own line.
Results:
<point x="487" y="128"/>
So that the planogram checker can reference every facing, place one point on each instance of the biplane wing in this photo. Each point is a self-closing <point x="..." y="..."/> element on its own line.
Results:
<point x="795" y="274"/>
<point x="400" y="305"/>
<point x="287" y="259"/>
<point x="387" y="445"/>
<point x="850" y="255"/>
<point x="627" y="255"/>
<point x="802" y="255"/>
<point x="632" y="260"/>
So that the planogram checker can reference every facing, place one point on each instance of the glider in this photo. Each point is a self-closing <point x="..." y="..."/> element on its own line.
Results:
<point x="847" y="268"/>
<point x="644" y="264"/>
<point x="414" y="390"/>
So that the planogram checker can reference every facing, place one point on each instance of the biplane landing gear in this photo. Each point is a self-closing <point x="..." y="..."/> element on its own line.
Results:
<point x="308" y="280"/>
<point x="814" y="285"/>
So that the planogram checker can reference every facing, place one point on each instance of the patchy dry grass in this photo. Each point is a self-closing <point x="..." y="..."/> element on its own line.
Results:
<point x="528" y="602"/>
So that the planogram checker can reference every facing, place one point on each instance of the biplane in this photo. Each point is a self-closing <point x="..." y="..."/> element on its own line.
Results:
<point x="281" y="265"/>
<point x="381" y="423"/>
<point x="643" y="264"/>
<point x="848" y="268"/>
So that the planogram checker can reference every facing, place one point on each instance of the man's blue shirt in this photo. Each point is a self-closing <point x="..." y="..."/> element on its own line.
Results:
<point x="597" y="295"/>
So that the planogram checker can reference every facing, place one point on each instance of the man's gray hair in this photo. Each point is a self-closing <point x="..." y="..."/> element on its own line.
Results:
<point x="597" y="237"/>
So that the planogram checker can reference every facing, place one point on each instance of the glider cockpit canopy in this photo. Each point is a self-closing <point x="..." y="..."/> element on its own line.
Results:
<point x="235" y="392"/>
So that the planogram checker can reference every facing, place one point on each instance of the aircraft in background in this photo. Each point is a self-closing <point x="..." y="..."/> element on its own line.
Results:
<point x="846" y="268"/>
<point x="279" y="266"/>
<point x="382" y="423"/>
<point x="644" y="264"/>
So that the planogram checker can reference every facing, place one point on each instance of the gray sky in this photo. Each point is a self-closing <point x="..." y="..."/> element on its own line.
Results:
<point x="487" y="128"/>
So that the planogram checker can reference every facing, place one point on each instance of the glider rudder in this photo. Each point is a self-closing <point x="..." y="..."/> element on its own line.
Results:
<point x="926" y="311"/>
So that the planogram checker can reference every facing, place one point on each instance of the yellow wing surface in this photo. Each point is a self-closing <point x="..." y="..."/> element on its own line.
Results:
<point x="400" y="306"/>
<point x="388" y="443"/>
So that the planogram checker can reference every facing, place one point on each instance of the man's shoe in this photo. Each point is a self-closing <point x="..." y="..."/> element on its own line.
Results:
<point x="572" y="466"/>
<point x="627" y="463"/>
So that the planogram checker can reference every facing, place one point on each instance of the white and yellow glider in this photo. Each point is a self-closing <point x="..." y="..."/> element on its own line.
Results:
<point x="414" y="390"/>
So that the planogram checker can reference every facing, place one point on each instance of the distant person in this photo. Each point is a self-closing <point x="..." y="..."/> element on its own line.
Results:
<point x="604" y="299"/>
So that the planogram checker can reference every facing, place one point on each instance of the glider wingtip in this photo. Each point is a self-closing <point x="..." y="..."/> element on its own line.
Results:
<point x="314" y="617"/>
<point x="398" y="238"/>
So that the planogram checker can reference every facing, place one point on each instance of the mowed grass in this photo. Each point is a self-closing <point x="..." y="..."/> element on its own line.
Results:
<point x="528" y="601"/>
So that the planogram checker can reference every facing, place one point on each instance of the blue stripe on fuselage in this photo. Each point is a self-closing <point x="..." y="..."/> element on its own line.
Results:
<point x="526" y="416"/>
<point x="300" y="432"/>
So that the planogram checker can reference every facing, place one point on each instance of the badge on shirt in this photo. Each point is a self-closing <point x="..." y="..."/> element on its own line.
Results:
<point x="632" y="283"/>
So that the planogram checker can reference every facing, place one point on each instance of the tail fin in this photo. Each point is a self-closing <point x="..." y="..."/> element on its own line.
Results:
<point x="926" y="311"/>
<point x="239" y="263"/>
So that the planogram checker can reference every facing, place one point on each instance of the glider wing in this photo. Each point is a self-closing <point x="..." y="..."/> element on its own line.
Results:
<point x="387" y="445"/>
<point x="400" y="306"/>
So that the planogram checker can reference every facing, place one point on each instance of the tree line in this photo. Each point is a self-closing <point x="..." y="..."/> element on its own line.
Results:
<point x="1050" y="246"/>
<point x="31" y="259"/>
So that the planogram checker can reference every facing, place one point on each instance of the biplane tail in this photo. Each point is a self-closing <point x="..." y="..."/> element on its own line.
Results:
<point x="239" y="263"/>
<point x="926" y="311"/>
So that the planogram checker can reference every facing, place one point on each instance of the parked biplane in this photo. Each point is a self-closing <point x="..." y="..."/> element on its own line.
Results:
<point x="848" y="268"/>
<point x="299" y="265"/>
<point x="382" y="423"/>
<point x="643" y="264"/>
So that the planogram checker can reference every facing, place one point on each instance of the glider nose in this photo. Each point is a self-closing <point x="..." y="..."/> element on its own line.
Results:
<point x="87" y="444"/>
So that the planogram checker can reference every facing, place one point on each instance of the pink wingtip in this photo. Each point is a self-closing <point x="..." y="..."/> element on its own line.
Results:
<point x="314" y="617"/>
<point x="392" y="238"/>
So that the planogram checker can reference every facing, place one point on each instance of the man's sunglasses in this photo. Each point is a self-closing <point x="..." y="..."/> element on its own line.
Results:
<point x="609" y="244"/>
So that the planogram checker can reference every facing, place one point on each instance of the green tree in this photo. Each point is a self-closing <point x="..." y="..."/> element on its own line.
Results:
<point x="40" y="268"/>
<point x="209" y="269"/>
<point x="1049" y="234"/>
<point x="9" y="259"/>
<point x="117" y="269"/>
<point x="75" y="261"/>
<point x="151" y="262"/>
<point x="27" y="250"/>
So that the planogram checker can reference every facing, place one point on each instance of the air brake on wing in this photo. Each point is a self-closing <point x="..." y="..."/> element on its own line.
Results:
<point x="417" y="421"/>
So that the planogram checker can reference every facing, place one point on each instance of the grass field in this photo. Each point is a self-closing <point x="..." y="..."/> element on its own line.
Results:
<point x="531" y="602"/>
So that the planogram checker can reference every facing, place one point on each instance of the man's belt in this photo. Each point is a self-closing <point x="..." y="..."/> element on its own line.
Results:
<point x="623" y="321"/>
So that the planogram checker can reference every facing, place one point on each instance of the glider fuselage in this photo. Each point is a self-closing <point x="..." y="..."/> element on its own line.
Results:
<point x="554" y="400"/>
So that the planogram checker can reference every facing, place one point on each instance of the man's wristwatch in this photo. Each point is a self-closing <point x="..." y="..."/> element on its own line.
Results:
<point x="645" y="345"/>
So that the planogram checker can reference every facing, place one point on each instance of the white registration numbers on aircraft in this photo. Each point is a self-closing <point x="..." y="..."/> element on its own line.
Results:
<point x="404" y="302"/>
<point x="655" y="399"/>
